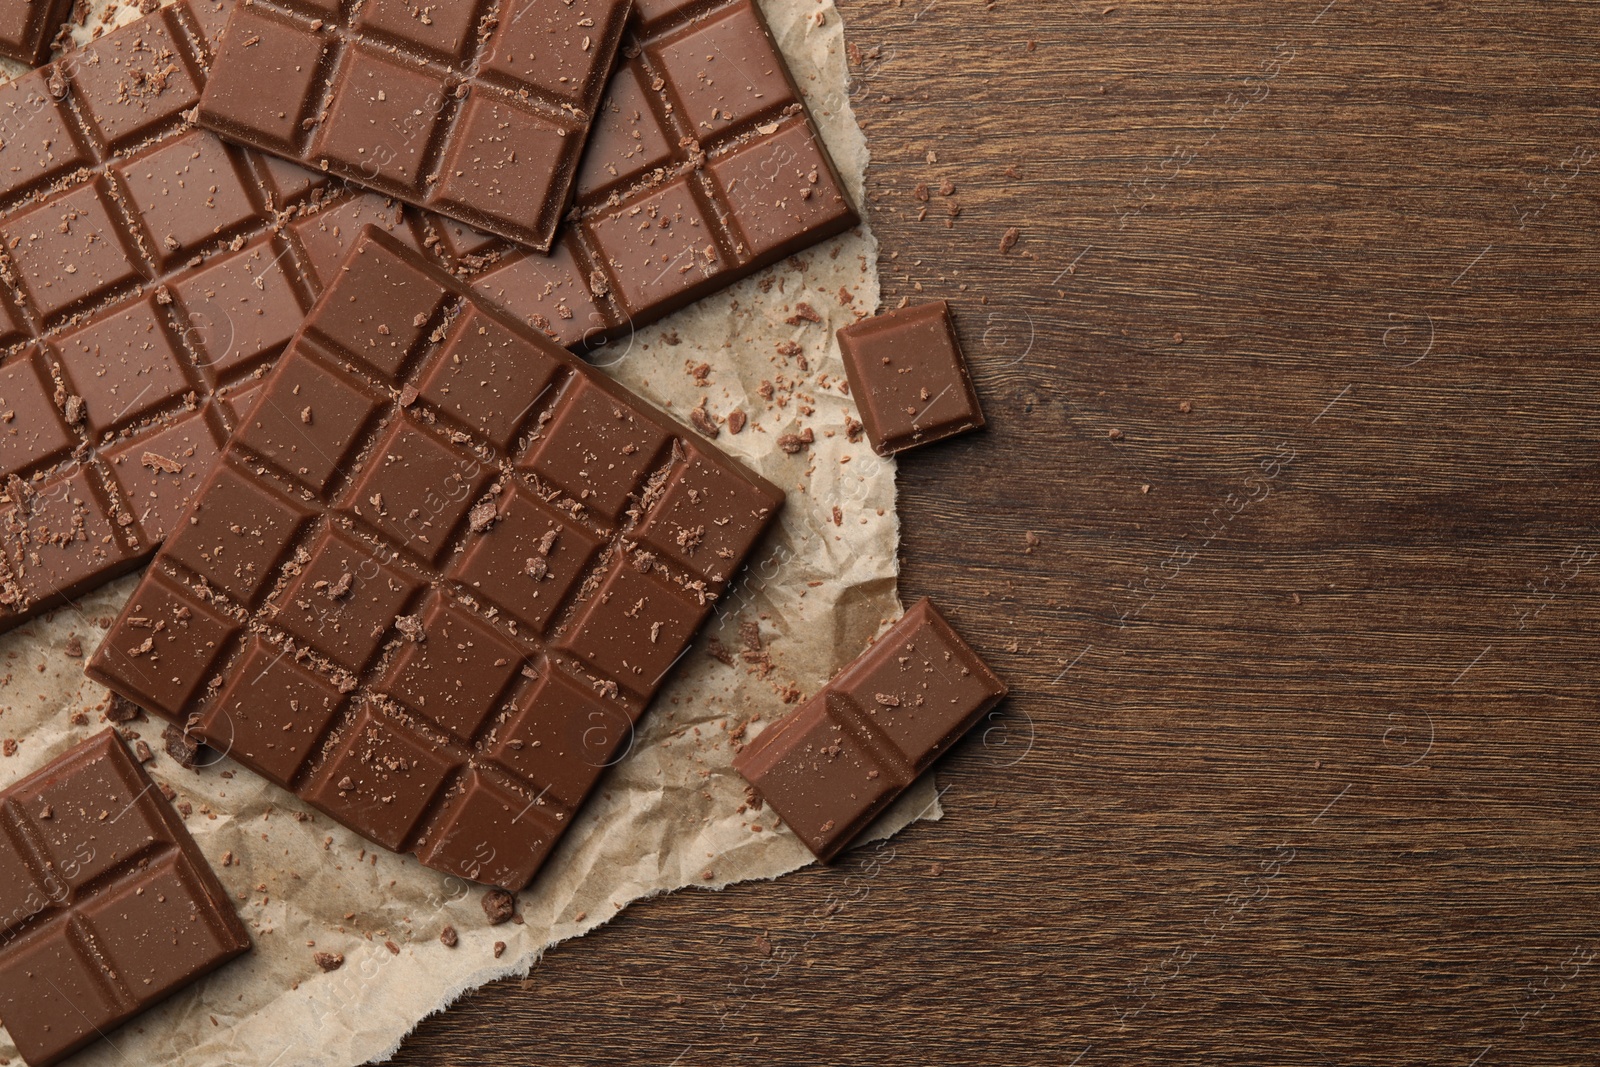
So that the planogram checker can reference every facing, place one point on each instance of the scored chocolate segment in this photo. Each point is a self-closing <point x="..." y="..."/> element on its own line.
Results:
<point x="831" y="767"/>
<point x="422" y="588"/>
<point x="28" y="28"/>
<point x="477" y="109"/>
<point x="106" y="904"/>
<point x="909" y="378"/>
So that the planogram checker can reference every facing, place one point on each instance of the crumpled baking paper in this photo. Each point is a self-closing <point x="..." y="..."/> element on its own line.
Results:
<point x="672" y="813"/>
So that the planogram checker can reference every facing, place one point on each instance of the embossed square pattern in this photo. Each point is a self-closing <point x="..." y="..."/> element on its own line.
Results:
<point x="109" y="906"/>
<point x="437" y="575"/>
<point x="703" y="167"/>
<point x="151" y="272"/>
<point x="478" y="109"/>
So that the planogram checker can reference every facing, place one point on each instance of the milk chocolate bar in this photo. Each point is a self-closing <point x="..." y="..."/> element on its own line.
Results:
<point x="477" y="109"/>
<point x="703" y="168"/>
<point x="909" y="378"/>
<point x="438" y="574"/>
<point x="831" y="767"/>
<point x="106" y="905"/>
<point x="28" y="28"/>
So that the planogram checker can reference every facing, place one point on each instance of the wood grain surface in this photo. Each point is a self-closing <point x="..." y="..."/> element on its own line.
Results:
<point x="1292" y="372"/>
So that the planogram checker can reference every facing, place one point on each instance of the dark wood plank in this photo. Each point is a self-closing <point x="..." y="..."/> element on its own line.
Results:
<point x="1318" y="785"/>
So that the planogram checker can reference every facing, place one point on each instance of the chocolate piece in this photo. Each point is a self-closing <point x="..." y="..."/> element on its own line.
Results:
<point x="152" y="271"/>
<point x="438" y="574"/>
<point x="831" y="767"/>
<point x="703" y="168"/>
<point x="106" y="905"/>
<point x="477" y="110"/>
<point x="909" y="378"/>
<point x="28" y="28"/>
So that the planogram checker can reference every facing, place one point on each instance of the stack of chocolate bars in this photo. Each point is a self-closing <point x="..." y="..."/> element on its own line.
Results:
<point x="414" y="560"/>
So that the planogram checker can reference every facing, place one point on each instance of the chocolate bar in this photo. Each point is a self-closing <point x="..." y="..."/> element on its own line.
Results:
<point x="106" y="905"/>
<point x="703" y="168"/>
<point x="909" y="378"/>
<point x="151" y="272"/>
<point x="831" y="767"/>
<point x="437" y="575"/>
<point x="475" y="109"/>
<point x="28" y="28"/>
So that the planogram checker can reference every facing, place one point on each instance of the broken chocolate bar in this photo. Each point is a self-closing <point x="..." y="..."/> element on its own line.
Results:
<point x="438" y="574"/>
<point x="106" y="904"/>
<point x="909" y="378"/>
<point x="478" y="110"/>
<point x="831" y="767"/>
<point x="702" y="169"/>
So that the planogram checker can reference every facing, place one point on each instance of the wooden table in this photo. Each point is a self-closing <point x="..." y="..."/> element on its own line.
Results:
<point x="1292" y="372"/>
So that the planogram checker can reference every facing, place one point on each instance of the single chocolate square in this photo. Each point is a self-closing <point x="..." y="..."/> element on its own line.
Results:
<point x="421" y="588"/>
<point x="106" y="904"/>
<point x="475" y="109"/>
<point x="909" y="378"/>
<point x="830" y="768"/>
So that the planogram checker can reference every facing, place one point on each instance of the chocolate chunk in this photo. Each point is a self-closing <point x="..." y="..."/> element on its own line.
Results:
<point x="328" y="961"/>
<point x="448" y="937"/>
<point x="499" y="906"/>
<point x="121" y="709"/>
<point x="109" y="907"/>
<point x="909" y="378"/>
<point x="831" y="767"/>
<point x="444" y="704"/>
<point x="483" y="122"/>
<point x="180" y="746"/>
<point x="28" y="29"/>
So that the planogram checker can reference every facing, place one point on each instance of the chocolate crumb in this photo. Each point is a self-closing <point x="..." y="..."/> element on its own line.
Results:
<point x="329" y="961"/>
<point x="888" y="700"/>
<point x="795" y="443"/>
<point x="736" y="421"/>
<point x="158" y="462"/>
<point x="9" y="746"/>
<point x="499" y="906"/>
<point x="1185" y="407"/>
<point x="142" y="752"/>
<point x="74" y="647"/>
<point x="1008" y="239"/>
<point x="448" y="937"/>
<point x="499" y="949"/>
<point x="703" y="421"/>
<point x="482" y="516"/>
<point x="394" y="949"/>
<point x="803" y="312"/>
<point x="1114" y="434"/>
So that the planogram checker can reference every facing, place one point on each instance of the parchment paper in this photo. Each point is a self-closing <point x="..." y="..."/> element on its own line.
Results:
<point x="670" y="814"/>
